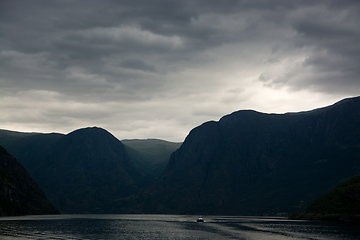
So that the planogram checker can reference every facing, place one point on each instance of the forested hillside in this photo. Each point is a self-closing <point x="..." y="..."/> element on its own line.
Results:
<point x="341" y="203"/>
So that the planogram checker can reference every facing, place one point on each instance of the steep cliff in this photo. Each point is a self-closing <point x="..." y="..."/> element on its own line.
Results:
<point x="256" y="163"/>
<point x="19" y="193"/>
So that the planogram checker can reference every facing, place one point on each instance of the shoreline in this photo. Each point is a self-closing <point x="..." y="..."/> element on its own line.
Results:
<point x="335" y="217"/>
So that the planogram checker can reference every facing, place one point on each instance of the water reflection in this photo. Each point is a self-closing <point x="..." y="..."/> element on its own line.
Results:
<point x="169" y="227"/>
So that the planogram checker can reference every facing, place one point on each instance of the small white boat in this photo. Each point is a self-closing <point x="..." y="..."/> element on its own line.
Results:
<point x="200" y="219"/>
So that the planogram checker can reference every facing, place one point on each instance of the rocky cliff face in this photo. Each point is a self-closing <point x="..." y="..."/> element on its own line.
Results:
<point x="255" y="163"/>
<point x="19" y="193"/>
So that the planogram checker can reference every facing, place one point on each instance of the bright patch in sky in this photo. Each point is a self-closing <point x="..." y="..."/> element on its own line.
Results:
<point x="157" y="69"/>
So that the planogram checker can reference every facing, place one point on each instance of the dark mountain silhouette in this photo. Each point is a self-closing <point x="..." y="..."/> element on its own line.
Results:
<point x="52" y="156"/>
<point x="24" y="146"/>
<point x="340" y="204"/>
<point x="246" y="163"/>
<point x="151" y="155"/>
<point x="155" y="153"/>
<point x="343" y="199"/>
<point x="19" y="193"/>
<point x="256" y="163"/>
<point x="85" y="170"/>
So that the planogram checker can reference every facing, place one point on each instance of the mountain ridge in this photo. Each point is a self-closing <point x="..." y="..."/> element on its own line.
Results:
<point x="39" y="153"/>
<point x="85" y="169"/>
<point x="247" y="163"/>
<point x="221" y="166"/>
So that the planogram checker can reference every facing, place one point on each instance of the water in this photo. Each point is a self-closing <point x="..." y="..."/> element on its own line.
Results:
<point x="169" y="227"/>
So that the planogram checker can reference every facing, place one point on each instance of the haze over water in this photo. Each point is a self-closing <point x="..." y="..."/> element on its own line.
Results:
<point x="169" y="227"/>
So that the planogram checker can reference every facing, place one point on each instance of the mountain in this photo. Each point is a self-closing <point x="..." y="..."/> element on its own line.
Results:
<point x="151" y="155"/>
<point x="155" y="153"/>
<point x="19" y="193"/>
<point x="246" y="163"/>
<point x="343" y="199"/>
<point x="340" y="204"/>
<point x="24" y="146"/>
<point x="255" y="163"/>
<point x="39" y="152"/>
<point x="85" y="170"/>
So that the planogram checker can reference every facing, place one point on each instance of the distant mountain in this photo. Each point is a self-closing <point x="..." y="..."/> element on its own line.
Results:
<point x="256" y="163"/>
<point x="85" y="170"/>
<point x="8" y="136"/>
<point x="39" y="152"/>
<point x="24" y="146"/>
<point x="155" y="152"/>
<point x="19" y="193"/>
<point x="151" y="155"/>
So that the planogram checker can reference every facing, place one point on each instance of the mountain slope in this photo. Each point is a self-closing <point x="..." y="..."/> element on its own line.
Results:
<point x="155" y="153"/>
<point x="39" y="151"/>
<point x="343" y="199"/>
<point x="151" y="155"/>
<point x="156" y="150"/>
<point x="19" y="194"/>
<point x="24" y="146"/>
<point x="85" y="170"/>
<point x="256" y="163"/>
<point x="340" y="204"/>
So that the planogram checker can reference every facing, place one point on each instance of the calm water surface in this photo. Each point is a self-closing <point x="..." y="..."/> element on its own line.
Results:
<point x="169" y="227"/>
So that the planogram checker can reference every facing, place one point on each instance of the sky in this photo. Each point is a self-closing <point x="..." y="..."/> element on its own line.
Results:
<point x="157" y="69"/>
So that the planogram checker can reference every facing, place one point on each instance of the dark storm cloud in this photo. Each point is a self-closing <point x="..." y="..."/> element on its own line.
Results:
<point x="83" y="33"/>
<point x="166" y="53"/>
<point x="137" y="64"/>
<point x="334" y="37"/>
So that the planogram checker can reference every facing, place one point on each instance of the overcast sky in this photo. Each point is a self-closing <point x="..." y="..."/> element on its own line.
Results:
<point x="157" y="69"/>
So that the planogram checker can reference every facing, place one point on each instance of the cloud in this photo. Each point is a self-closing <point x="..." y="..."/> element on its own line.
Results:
<point x="137" y="64"/>
<point x="161" y="67"/>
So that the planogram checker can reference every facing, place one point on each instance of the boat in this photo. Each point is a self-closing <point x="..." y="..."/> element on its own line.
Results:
<point x="200" y="219"/>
